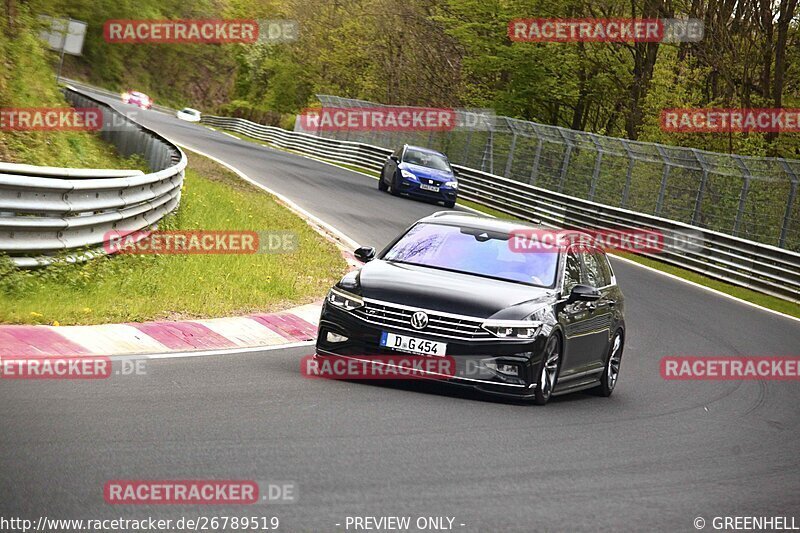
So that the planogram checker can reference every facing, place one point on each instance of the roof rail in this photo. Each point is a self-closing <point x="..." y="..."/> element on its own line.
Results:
<point x="460" y="213"/>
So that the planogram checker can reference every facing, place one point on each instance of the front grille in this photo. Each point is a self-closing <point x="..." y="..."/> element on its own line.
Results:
<point x="444" y="325"/>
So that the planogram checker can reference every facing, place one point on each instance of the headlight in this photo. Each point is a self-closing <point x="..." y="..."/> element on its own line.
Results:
<point x="408" y="175"/>
<point x="345" y="300"/>
<point x="452" y="184"/>
<point x="512" y="329"/>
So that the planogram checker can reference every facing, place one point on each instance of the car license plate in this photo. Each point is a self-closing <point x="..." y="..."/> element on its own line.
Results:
<point x="426" y="187"/>
<point x="404" y="343"/>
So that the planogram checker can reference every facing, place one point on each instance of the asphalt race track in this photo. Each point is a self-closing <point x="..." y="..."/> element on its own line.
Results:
<point x="654" y="456"/>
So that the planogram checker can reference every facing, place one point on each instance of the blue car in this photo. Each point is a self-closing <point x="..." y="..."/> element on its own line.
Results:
<point x="420" y="172"/>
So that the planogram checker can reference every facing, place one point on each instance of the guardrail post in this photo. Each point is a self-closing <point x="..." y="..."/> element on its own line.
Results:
<point x="488" y="148"/>
<point x="445" y="141"/>
<point x="787" y="217"/>
<point x="565" y="164"/>
<point x="148" y="151"/>
<point x="663" y="189"/>
<point x="743" y="196"/>
<point x="465" y="158"/>
<point x="597" y="162"/>
<point x="536" y="158"/>
<point x="698" y="203"/>
<point x="626" y="189"/>
<point x="510" y="159"/>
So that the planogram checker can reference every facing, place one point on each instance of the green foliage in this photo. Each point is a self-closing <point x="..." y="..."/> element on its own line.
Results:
<point x="246" y="110"/>
<point x="455" y="53"/>
<point x="27" y="80"/>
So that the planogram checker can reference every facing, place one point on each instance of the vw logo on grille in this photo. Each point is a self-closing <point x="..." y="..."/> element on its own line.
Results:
<point x="419" y="320"/>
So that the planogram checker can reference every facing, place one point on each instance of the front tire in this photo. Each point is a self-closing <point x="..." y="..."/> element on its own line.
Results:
<point x="613" y="363"/>
<point x="450" y="205"/>
<point x="547" y="372"/>
<point x="393" y="189"/>
<point x="381" y="185"/>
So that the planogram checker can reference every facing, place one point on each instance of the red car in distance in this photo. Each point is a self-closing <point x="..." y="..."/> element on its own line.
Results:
<point x="138" y="99"/>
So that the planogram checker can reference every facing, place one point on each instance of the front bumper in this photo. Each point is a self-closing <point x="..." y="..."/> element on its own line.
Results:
<point x="412" y="188"/>
<point x="469" y="357"/>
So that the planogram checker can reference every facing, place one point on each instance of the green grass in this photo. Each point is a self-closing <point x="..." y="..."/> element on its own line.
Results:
<point x="764" y="300"/>
<point x="27" y="80"/>
<point x="148" y="287"/>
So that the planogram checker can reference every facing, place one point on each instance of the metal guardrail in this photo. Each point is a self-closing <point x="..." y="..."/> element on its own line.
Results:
<point x="755" y="198"/>
<point x="47" y="211"/>
<point x="363" y="155"/>
<point x="761" y="267"/>
<point x="86" y="87"/>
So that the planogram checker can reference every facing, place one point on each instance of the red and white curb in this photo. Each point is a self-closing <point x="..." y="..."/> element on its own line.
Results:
<point x="190" y="338"/>
<point x="295" y="326"/>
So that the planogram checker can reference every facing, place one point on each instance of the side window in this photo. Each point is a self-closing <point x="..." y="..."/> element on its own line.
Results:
<point x="572" y="272"/>
<point x="595" y="273"/>
<point x="605" y="267"/>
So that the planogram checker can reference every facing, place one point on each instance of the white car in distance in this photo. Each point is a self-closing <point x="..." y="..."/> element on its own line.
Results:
<point x="188" y="114"/>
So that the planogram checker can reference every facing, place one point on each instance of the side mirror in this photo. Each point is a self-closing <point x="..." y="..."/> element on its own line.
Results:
<point x="583" y="293"/>
<point x="365" y="254"/>
<point x="456" y="172"/>
<point x="394" y="158"/>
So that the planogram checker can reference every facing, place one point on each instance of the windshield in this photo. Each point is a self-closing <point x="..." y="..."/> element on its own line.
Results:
<point x="426" y="159"/>
<point x="473" y="252"/>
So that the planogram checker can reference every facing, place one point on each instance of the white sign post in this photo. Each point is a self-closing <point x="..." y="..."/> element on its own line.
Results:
<point x="64" y="36"/>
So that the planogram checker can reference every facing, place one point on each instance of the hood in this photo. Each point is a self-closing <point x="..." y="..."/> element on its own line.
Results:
<point x="450" y="292"/>
<point x="425" y="172"/>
